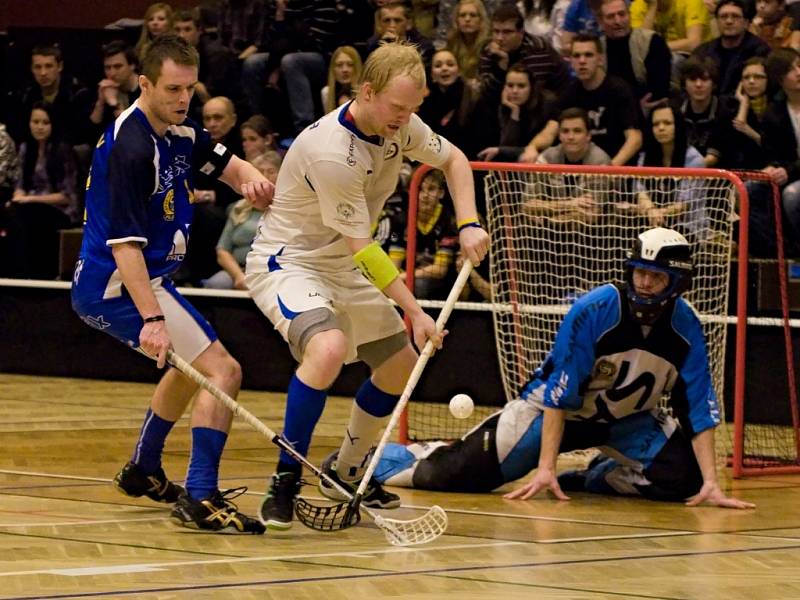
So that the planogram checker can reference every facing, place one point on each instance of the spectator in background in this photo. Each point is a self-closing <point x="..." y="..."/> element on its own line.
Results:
<point x="393" y="23"/>
<point x="70" y="103"/>
<point x="212" y="197"/>
<point x="576" y="146"/>
<point x="669" y="202"/>
<point x="219" y="70"/>
<point x="8" y="165"/>
<point x="240" y="229"/>
<point x="424" y="16"/>
<point x="468" y="35"/>
<point x="545" y="18"/>
<point x="525" y="109"/>
<point x="344" y="75"/>
<point x="449" y="106"/>
<point x="612" y="109"/>
<point x="437" y="239"/>
<point x="741" y="120"/>
<point x="780" y="142"/>
<point x="44" y="201"/>
<point x="734" y="45"/>
<point x="447" y="15"/>
<point x="581" y="17"/>
<point x="639" y="56"/>
<point x="257" y="137"/>
<point x="120" y="87"/>
<point x="701" y="106"/>
<point x="684" y="24"/>
<point x="315" y="34"/>
<point x="509" y="45"/>
<point x="243" y="28"/>
<point x="157" y="21"/>
<point x="576" y="196"/>
<point x="774" y="25"/>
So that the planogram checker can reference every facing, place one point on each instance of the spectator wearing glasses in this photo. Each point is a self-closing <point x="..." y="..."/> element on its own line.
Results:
<point x="734" y="45"/>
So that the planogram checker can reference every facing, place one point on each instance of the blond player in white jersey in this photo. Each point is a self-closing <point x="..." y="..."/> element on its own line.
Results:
<point x="316" y="273"/>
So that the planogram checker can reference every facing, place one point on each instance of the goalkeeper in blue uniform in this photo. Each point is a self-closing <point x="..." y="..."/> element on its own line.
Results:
<point x="618" y="351"/>
<point x="138" y="211"/>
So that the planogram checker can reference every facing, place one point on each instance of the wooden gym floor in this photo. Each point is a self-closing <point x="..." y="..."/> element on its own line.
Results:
<point x="66" y="533"/>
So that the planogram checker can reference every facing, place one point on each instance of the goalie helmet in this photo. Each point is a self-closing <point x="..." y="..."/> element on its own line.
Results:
<point x="662" y="250"/>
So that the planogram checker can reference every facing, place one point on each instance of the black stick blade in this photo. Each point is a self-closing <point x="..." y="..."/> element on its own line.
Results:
<point x="326" y="518"/>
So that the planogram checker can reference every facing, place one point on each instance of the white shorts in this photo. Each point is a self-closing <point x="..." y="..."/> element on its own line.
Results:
<point x="364" y="314"/>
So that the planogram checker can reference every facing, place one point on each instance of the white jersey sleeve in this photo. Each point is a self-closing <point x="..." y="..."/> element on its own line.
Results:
<point x="342" y="203"/>
<point x="424" y="145"/>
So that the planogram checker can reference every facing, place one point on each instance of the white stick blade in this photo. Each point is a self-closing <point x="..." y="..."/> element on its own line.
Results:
<point x="422" y="530"/>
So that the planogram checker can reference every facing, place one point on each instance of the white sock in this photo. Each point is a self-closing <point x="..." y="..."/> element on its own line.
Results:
<point x="359" y="438"/>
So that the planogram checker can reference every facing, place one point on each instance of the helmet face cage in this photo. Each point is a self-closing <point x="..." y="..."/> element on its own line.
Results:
<point x="665" y="251"/>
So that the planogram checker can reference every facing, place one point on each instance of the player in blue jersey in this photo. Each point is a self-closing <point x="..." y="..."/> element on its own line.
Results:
<point x="138" y="211"/>
<point x="619" y="349"/>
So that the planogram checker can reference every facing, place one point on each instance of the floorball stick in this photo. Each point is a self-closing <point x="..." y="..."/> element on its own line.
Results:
<point x="398" y="533"/>
<point x="427" y="527"/>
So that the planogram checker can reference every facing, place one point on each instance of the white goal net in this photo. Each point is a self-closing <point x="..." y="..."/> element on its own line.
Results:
<point x="557" y="232"/>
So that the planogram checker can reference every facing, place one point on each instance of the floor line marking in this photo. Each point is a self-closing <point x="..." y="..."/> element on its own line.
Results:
<point x="189" y="563"/>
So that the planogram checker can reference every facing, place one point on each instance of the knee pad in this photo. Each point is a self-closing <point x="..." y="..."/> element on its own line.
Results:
<point x="305" y="325"/>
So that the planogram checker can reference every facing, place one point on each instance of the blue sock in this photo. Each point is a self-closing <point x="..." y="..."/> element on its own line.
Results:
<point x="147" y="453"/>
<point x="374" y="401"/>
<point x="202" y="479"/>
<point x="304" y="407"/>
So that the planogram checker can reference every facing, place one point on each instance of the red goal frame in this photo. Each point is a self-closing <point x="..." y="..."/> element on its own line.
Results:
<point x="737" y="459"/>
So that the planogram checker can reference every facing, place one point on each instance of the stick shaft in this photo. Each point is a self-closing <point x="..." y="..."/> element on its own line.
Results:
<point x="238" y="410"/>
<point x="416" y="373"/>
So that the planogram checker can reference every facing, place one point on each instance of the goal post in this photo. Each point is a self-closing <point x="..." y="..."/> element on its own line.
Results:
<point x="769" y="444"/>
<point x="549" y="246"/>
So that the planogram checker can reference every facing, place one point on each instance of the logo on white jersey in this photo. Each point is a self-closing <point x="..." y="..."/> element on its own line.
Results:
<point x="178" y="250"/>
<point x="435" y="142"/>
<point x="345" y="210"/>
<point x="604" y="369"/>
<point x="391" y="151"/>
<point x="351" y="151"/>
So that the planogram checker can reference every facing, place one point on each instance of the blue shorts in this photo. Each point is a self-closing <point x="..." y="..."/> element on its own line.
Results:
<point x="110" y="309"/>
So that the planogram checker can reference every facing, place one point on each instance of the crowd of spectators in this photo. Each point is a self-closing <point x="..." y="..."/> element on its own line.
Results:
<point x="677" y="83"/>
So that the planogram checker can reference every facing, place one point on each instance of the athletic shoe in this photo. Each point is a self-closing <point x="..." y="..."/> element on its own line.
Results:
<point x="133" y="481"/>
<point x="215" y="513"/>
<point x="278" y="505"/>
<point x="374" y="495"/>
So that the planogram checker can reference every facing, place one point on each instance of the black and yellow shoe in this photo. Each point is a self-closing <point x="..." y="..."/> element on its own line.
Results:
<point x="133" y="481"/>
<point x="216" y="513"/>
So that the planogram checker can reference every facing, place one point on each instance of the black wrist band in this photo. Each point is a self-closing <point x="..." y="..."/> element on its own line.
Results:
<point x="154" y="319"/>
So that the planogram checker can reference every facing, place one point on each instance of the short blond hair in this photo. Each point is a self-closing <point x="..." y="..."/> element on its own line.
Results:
<point x="393" y="60"/>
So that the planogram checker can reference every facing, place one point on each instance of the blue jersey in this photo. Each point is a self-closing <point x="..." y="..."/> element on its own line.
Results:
<point x="140" y="189"/>
<point x="603" y="368"/>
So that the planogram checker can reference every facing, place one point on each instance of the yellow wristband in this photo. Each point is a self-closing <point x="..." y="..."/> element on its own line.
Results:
<point x="376" y="265"/>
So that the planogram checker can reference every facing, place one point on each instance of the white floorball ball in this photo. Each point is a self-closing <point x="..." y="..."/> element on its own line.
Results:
<point x="461" y="406"/>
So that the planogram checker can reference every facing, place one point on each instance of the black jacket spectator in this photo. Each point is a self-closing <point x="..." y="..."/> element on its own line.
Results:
<point x="730" y="61"/>
<point x="540" y="59"/>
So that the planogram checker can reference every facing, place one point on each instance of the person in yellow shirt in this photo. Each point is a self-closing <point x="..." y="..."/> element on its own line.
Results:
<point x="685" y="24"/>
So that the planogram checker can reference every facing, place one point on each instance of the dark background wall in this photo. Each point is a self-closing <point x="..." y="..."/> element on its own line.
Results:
<point x="75" y="13"/>
<point x="41" y="335"/>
